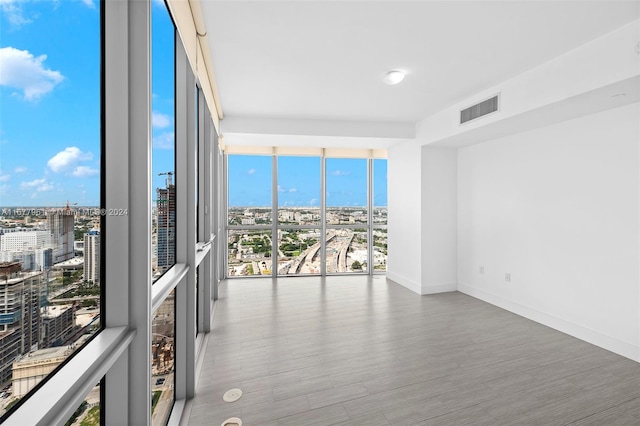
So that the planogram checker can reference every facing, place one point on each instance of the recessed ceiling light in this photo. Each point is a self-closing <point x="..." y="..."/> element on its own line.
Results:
<point x="393" y="77"/>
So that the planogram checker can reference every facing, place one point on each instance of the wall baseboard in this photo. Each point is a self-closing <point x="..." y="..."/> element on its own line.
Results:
<point x="404" y="282"/>
<point x="439" y="288"/>
<point x="597" y="338"/>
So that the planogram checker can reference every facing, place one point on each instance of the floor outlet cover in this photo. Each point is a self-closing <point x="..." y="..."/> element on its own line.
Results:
<point x="232" y="395"/>
<point x="233" y="421"/>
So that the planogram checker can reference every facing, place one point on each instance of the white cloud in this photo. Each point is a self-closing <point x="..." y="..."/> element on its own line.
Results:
<point x="5" y="177"/>
<point x="340" y="173"/>
<point x="251" y="171"/>
<point x="21" y="70"/>
<point x="313" y="202"/>
<point x="40" y="185"/>
<point x="159" y="120"/>
<point x="13" y="12"/>
<point x="281" y="189"/>
<point x="33" y="183"/>
<point x="20" y="169"/>
<point x="293" y="190"/>
<point x="84" y="171"/>
<point x="66" y="160"/>
<point x="164" y="141"/>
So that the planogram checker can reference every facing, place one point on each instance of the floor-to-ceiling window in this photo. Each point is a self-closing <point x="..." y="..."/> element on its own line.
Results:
<point x="165" y="207"/>
<point x="163" y="156"/>
<point x="347" y="204"/>
<point x="327" y="219"/>
<point x="163" y="351"/>
<point x="106" y="212"/>
<point x="299" y="215"/>
<point x="249" y="215"/>
<point x="51" y="239"/>
<point x="379" y="229"/>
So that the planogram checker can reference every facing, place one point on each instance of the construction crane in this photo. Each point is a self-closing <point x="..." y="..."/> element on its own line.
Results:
<point x="66" y="209"/>
<point x="72" y="204"/>
<point x="169" y="180"/>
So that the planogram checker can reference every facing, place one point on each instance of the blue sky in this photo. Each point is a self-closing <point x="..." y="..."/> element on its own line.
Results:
<point x="162" y="103"/>
<point x="49" y="105"/>
<point x="50" y="118"/>
<point x="299" y="181"/>
<point x="49" y="101"/>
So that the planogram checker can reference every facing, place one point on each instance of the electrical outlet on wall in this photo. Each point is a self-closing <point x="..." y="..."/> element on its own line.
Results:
<point x="507" y="277"/>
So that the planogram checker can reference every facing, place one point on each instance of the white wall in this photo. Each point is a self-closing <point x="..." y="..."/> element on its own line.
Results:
<point x="558" y="209"/>
<point x="604" y="61"/>
<point x="404" y="230"/>
<point x="439" y="220"/>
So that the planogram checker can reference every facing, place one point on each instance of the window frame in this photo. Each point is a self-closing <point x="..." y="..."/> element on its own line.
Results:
<point x="119" y="357"/>
<point x="374" y="225"/>
<point x="25" y="408"/>
<point x="177" y="115"/>
<point x="275" y="226"/>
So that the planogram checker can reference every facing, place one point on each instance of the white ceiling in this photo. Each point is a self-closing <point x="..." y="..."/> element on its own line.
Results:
<point x="323" y="60"/>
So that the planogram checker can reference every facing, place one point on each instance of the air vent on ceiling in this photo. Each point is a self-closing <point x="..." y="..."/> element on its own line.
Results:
<point x="478" y="110"/>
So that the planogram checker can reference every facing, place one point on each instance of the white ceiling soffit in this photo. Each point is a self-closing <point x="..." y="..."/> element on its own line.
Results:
<point x="347" y="142"/>
<point x="315" y="133"/>
<point x="604" y="98"/>
<point x="324" y="60"/>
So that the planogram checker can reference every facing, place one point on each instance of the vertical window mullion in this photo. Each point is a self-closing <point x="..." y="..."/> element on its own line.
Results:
<point x="207" y="213"/>
<point x="274" y="217"/>
<point x="225" y="209"/>
<point x="370" y="203"/>
<point x="323" y="214"/>
<point x="185" y="225"/>
<point x="128" y="172"/>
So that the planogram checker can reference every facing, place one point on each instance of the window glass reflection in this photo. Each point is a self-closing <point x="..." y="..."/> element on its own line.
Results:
<point x="299" y="190"/>
<point x="163" y="237"/>
<point x="249" y="193"/>
<point x="50" y="175"/>
<point x="249" y="252"/>
<point x="346" y="191"/>
<point x="88" y="412"/>
<point x="163" y="328"/>
<point x="380" y="191"/>
<point x="347" y="251"/>
<point x="380" y="250"/>
<point x="299" y="251"/>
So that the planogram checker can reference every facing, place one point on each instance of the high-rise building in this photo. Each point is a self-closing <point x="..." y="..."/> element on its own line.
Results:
<point x="16" y="241"/>
<point x="58" y="322"/>
<point x="60" y="224"/>
<point x="166" y="225"/>
<point x="44" y="259"/>
<point x="21" y="295"/>
<point x="92" y="256"/>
